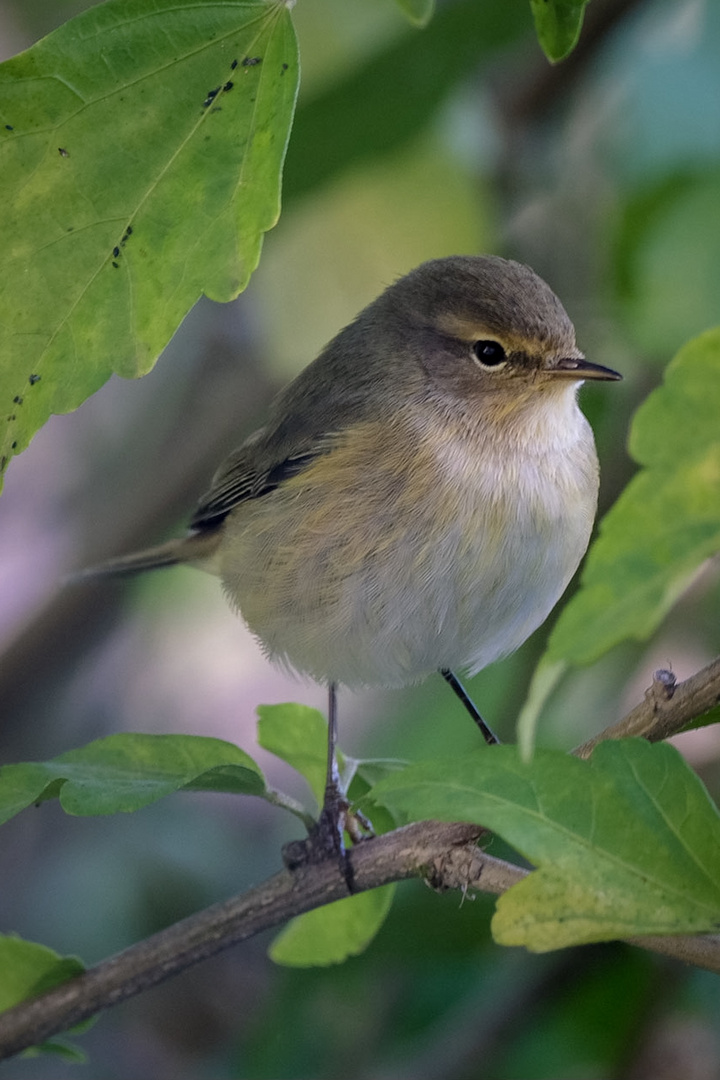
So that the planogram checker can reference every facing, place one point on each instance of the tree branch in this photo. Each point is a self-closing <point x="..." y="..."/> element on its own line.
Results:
<point x="425" y="848"/>
<point x="445" y="854"/>
<point x="667" y="709"/>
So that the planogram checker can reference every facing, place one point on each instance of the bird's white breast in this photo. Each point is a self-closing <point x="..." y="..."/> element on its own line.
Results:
<point x="527" y="506"/>
<point x="367" y="573"/>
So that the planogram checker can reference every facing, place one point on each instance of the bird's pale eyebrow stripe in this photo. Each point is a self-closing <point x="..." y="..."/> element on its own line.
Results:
<point x="467" y="329"/>
<point x="464" y="329"/>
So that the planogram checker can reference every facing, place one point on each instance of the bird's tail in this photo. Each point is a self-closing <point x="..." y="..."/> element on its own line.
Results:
<point x="197" y="548"/>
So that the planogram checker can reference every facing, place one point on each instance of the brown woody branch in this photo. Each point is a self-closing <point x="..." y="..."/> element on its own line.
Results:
<point x="444" y="854"/>
<point x="667" y="709"/>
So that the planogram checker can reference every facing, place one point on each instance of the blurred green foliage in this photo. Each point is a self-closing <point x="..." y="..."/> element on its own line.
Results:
<point x="558" y="24"/>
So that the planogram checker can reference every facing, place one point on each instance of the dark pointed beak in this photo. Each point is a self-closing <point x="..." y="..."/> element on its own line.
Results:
<point x="579" y="368"/>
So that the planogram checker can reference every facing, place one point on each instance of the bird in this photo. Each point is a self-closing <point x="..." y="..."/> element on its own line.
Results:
<point x="420" y="496"/>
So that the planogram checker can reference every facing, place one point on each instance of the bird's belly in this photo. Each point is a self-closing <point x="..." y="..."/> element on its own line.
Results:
<point x="385" y="593"/>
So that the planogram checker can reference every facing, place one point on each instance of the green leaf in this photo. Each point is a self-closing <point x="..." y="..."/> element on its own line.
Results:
<point x="626" y="843"/>
<point x="28" y="969"/>
<point x="123" y="773"/>
<point x="331" y="934"/>
<point x="419" y="12"/>
<point x="558" y="24"/>
<point x="708" y="718"/>
<point x="298" y="735"/>
<point x="61" y="1048"/>
<point x="141" y="147"/>
<point x="665" y="523"/>
<point x="371" y="770"/>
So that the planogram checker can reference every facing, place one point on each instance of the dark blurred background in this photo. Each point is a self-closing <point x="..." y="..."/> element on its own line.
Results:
<point x="604" y="174"/>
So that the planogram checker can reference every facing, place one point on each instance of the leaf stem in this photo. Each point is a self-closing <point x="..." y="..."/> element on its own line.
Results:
<point x="286" y="802"/>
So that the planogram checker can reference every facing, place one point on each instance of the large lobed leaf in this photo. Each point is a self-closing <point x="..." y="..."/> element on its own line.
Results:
<point x="141" y="146"/>
<point x="665" y="523"/>
<point x="625" y="843"/>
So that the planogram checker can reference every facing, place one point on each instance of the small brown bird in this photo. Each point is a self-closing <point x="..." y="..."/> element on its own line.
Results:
<point x="422" y="492"/>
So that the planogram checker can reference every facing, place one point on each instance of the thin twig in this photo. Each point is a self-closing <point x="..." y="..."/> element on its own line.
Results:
<point x="667" y="709"/>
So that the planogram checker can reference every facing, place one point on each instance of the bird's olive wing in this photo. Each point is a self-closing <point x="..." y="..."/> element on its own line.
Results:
<point x="249" y="474"/>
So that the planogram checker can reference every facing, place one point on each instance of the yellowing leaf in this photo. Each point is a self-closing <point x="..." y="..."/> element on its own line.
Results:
<point x="625" y="844"/>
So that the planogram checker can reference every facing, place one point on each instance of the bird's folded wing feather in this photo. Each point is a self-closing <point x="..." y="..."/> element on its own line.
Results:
<point x="251" y="472"/>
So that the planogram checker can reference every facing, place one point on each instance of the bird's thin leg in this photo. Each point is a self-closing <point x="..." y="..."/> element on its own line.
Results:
<point x="487" y="733"/>
<point x="334" y="806"/>
<point x="332" y="776"/>
<point x="331" y="823"/>
<point x="326" y="837"/>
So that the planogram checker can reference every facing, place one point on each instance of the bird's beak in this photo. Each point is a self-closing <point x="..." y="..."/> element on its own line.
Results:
<point x="577" y="367"/>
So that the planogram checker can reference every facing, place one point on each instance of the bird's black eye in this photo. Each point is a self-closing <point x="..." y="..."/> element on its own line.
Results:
<point x="489" y="354"/>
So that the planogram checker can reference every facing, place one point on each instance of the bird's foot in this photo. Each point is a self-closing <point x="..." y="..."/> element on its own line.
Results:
<point x="326" y="839"/>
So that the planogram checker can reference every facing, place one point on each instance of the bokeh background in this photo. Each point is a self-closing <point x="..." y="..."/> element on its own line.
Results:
<point x="604" y="174"/>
